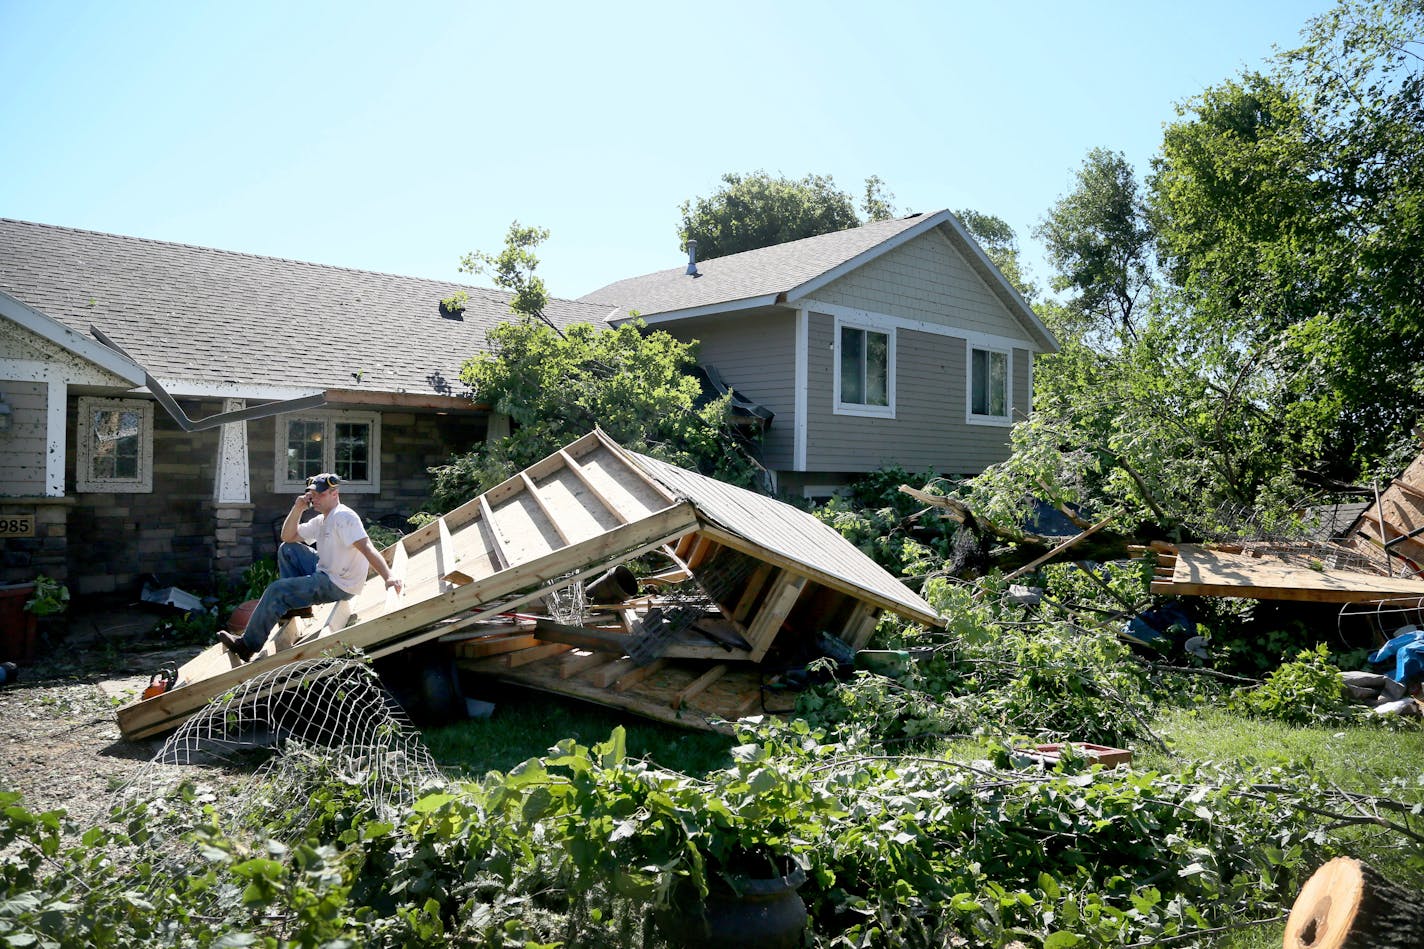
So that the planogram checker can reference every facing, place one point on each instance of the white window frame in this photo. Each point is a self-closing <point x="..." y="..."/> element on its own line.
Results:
<point x="861" y="408"/>
<point x="972" y="417"/>
<point x="330" y="419"/>
<point x="84" y="477"/>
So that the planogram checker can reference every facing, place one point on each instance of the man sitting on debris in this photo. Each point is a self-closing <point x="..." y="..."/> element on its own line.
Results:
<point x="336" y="570"/>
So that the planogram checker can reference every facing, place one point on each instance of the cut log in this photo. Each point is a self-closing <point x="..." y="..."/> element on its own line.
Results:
<point x="1348" y="905"/>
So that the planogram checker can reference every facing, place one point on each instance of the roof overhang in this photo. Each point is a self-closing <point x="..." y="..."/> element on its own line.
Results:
<point x="82" y="346"/>
<point x="670" y="316"/>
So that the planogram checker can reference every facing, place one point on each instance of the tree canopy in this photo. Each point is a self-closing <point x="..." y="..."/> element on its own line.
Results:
<point x="1243" y="327"/>
<point x="556" y="385"/>
<point x="758" y="210"/>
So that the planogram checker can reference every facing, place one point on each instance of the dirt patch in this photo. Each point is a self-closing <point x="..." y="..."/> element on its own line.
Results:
<point x="60" y="744"/>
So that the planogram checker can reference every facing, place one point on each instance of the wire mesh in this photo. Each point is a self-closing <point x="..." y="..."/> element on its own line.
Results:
<point x="325" y="717"/>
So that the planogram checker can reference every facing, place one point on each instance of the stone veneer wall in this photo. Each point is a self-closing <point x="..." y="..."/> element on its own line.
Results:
<point x="24" y="558"/>
<point x="107" y="543"/>
<point x="115" y="540"/>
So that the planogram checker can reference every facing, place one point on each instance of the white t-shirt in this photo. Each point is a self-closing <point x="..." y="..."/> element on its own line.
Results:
<point x="336" y="535"/>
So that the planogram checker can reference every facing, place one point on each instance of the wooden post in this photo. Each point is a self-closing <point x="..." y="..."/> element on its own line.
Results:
<point x="1348" y="905"/>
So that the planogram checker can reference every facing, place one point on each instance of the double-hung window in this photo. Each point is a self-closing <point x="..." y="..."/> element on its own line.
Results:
<point x="988" y="385"/>
<point x="115" y="446"/>
<point x="865" y="370"/>
<point x="345" y="443"/>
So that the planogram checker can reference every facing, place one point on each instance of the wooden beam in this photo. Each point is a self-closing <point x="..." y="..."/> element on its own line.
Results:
<point x="576" y="661"/>
<point x="1070" y="542"/>
<point x="629" y="679"/>
<point x="525" y="656"/>
<point x="604" y="676"/>
<point x="445" y="558"/>
<point x="408" y="400"/>
<point x="761" y="633"/>
<point x="582" y="636"/>
<point x="493" y="646"/>
<point x="699" y="685"/>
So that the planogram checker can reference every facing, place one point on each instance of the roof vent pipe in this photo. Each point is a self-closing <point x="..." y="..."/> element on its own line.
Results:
<point x="692" y="257"/>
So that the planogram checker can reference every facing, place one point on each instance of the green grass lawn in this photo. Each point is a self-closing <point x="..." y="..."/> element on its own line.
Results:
<point x="526" y="724"/>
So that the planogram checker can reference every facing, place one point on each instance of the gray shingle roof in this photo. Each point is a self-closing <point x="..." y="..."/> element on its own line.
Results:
<point x="752" y="275"/>
<point x="214" y="317"/>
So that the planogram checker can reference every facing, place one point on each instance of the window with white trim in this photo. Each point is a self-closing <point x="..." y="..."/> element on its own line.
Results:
<point x="346" y="443"/>
<point x="865" y="370"/>
<point x="989" y="371"/>
<point x="115" y="446"/>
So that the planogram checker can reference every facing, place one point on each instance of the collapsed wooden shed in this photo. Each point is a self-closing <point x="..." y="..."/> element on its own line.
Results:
<point x="750" y="588"/>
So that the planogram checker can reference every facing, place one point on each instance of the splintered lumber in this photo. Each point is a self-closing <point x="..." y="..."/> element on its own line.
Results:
<point x="1347" y="904"/>
<point x="493" y="645"/>
<point x="1201" y="571"/>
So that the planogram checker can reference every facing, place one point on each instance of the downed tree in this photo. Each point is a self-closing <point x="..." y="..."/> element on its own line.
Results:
<point x="1347" y="904"/>
<point x="1021" y="550"/>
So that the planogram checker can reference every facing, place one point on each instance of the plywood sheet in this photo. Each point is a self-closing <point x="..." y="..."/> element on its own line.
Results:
<point x="1201" y="571"/>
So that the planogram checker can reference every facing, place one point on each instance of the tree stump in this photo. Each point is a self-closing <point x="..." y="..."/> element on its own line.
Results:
<point x="1348" y="905"/>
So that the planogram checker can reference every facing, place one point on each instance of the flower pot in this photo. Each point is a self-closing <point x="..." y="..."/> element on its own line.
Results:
<point x="757" y="914"/>
<point x="18" y="627"/>
<point x="237" y="622"/>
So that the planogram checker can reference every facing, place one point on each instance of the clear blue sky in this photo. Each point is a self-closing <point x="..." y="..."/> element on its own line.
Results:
<point x="396" y="137"/>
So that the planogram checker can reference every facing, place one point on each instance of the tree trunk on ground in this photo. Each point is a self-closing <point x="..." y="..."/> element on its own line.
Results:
<point x="1348" y="905"/>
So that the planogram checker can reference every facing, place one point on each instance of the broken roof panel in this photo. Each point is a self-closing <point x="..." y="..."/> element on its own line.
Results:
<point x="776" y="531"/>
<point x="567" y="519"/>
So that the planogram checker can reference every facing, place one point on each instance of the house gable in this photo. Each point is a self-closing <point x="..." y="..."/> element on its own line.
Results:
<point x="926" y="280"/>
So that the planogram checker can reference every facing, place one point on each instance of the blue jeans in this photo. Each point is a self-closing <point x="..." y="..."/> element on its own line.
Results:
<point x="300" y="584"/>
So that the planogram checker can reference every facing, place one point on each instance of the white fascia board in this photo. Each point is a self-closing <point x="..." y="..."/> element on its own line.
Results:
<point x="61" y="335"/>
<point x="864" y="257"/>
<point x="886" y="322"/>
<point x="1048" y="342"/>
<point x="801" y="430"/>
<point x="78" y="372"/>
<point x="750" y="303"/>
<point x="189" y="388"/>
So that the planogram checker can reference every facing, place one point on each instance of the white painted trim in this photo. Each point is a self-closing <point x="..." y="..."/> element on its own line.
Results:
<point x="232" y="483"/>
<point x="1031" y="363"/>
<point x="85" y="481"/>
<point x="1000" y="421"/>
<point x="710" y="309"/>
<point x="280" y="485"/>
<point x="77" y="372"/>
<point x="802" y="382"/>
<point x="56" y="425"/>
<point x="885" y="322"/>
<point x="926" y="223"/>
<point x="864" y="410"/>
<point x="189" y="388"/>
<point x="61" y="335"/>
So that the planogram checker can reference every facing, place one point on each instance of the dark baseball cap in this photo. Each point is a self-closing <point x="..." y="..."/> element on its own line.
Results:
<point x="319" y="483"/>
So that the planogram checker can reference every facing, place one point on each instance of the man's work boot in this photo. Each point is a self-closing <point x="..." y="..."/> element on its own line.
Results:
<point x="235" y="645"/>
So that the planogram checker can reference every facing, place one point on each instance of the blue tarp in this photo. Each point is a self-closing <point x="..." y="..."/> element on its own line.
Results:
<point x="1407" y="650"/>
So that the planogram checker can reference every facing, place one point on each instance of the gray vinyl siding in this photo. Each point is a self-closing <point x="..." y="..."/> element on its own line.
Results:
<point x="22" y="463"/>
<point x="928" y="431"/>
<point x="926" y="279"/>
<point x="755" y="352"/>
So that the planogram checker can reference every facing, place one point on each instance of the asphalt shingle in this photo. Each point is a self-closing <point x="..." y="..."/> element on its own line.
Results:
<point x="216" y="317"/>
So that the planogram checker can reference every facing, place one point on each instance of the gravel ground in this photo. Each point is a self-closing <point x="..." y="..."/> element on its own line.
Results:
<point x="60" y="744"/>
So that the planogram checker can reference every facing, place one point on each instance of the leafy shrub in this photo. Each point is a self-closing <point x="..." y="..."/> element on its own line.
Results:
<point x="1305" y="691"/>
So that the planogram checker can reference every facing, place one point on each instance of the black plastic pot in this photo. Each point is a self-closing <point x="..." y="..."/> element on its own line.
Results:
<point x="756" y="914"/>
